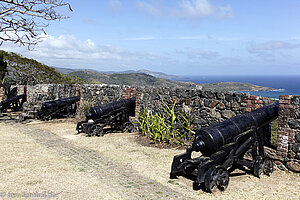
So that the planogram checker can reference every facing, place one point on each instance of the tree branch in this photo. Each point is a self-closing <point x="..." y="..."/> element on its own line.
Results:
<point x="21" y="21"/>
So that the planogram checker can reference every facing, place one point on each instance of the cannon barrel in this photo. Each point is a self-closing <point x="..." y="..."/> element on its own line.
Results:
<point x="208" y="140"/>
<point x="60" y="102"/>
<point x="12" y="99"/>
<point x="97" y="112"/>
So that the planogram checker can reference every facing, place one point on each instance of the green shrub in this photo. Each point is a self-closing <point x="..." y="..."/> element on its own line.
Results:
<point x="166" y="127"/>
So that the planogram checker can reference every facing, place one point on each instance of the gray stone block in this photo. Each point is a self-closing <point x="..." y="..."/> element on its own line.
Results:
<point x="294" y="124"/>
<point x="297" y="137"/>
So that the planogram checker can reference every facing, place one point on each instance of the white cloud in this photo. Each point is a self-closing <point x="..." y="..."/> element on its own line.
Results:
<point x="115" y="6"/>
<point x="143" y="38"/>
<point x="272" y="45"/>
<point x="154" y="9"/>
<point x="68" y="51"/>
<point x="199" y="54"/>
<point x="188" y="9"/>
<point x="198" y="9"/>
<point x="195" y="37"/>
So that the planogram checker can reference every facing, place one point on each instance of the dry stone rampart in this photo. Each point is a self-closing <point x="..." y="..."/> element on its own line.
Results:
<point x="207" y="107"/>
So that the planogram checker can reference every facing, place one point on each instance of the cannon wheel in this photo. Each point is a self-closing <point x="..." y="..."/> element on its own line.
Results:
<point x="217" y="178"/>
<point x="258" y="166"/>
<point x="90" y="130"/>
<point x="98" y="131"/>
<point x="268" y="166"/>
<point x="128" y="127"/>
<point x="47" y="117"/>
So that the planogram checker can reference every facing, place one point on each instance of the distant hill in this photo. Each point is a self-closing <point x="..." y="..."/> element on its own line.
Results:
<point x="29" y="71"/>
<point x="144" y="71"/>
<point x="157" y="74"/>
<point x="141" y="79"/>
<point x="134" y="79"/>
<point x="234" y="86"/>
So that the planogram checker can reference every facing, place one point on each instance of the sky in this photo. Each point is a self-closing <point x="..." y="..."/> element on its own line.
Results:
<point x="179" y="37"/>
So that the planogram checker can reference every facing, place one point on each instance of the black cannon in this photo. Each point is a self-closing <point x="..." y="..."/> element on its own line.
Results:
<point x="115" y="114"/>
<point x="58" y="108"/>
<point x="224" y="147"/>
<point x="14" y="103"/>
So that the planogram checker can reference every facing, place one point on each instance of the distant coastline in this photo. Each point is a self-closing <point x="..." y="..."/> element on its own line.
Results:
<point x="281" y="85"/>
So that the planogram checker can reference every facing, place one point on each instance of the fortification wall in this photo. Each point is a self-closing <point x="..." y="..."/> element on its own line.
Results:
<point x="288" y="143"/>
<point x="206" y="107"/>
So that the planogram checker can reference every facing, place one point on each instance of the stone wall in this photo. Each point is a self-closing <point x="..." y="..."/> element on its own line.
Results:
<point x="288" y="143"/>
<point x="207" y="107"/>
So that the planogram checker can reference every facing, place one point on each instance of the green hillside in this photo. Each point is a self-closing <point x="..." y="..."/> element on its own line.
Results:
<point x="234" y="86"/>
<point x="22" y="70"/>
<point x="133" y="79"/>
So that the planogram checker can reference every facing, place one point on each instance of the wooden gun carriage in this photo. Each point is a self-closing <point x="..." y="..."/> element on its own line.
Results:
<point x="58" y="108"/>
<point x="224" y="145"/>
<point x="115" y="114"/>
<point x="14" y="103"/>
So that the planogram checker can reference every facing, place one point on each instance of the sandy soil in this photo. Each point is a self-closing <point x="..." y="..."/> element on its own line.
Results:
<point x="29" y="167"/>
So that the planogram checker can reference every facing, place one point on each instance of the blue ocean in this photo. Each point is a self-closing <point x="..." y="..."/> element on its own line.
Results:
<point x="283" y="85"/>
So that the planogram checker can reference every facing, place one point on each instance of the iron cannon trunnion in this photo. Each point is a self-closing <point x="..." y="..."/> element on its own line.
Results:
<point x="224" y="145"/>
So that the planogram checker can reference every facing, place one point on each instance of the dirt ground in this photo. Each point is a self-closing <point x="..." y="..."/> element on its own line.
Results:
<point x="28" y="167"/>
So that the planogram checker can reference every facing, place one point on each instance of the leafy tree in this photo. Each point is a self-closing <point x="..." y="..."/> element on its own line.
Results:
<point x="22" y="21"/>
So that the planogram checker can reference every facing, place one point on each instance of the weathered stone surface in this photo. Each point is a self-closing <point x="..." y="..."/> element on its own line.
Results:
<point x="225" y="105"/>
<point x="294" y="124"/>
<point x="291" y="154"/>
<point x="227" y="114"/>
<point x="200" y="121"/>
<point x="281" y="166"/>
<point x="235" y="105"/>
<point x="215" y="114"/>
<point x="295" y="100"/>
<point x="296" y="148"/>
<point x="186" y="108"/>
<point x="209" y="94"/>
<point x="277" y="162"/>
<point x="237" y="97"/>
<point x="214" y="103"/>
<point x="228" y="97"/>
<point x="297" y="137"/>
<point x="212" y="122"/>
<point x="293" y="166"/>
<point x="221" y="106"/>
<point x="220" y="95"/>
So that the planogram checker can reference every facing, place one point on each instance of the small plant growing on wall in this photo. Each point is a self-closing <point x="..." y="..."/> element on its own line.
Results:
<point x="84" y="107"/>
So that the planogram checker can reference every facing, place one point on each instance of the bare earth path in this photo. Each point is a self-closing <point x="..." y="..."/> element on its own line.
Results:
<point x="49" y="157"/>
<point x="127" y="182"/>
